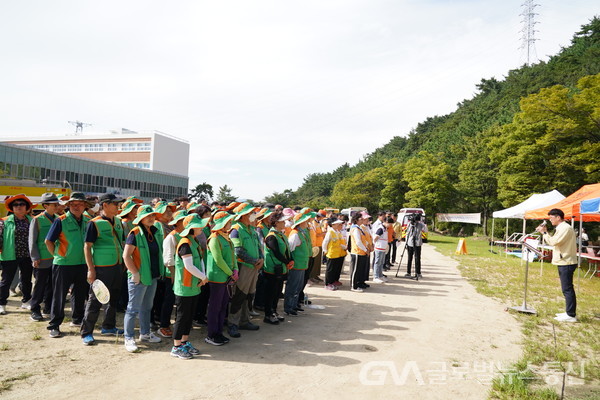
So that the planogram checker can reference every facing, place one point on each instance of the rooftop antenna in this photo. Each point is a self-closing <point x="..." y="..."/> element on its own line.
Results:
<point x="528" y="31"/>
<point x="79" y="126"/>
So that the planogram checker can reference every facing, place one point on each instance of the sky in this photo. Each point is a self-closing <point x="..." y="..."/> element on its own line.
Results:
<point x="266" y="92"/>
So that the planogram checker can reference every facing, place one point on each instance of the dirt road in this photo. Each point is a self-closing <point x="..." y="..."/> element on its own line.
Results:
<point x="433" y="339"/>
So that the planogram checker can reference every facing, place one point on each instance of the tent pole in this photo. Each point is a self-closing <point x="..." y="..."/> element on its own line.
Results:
<point x="492" y="241"/>
<point x="579" y="247"/>
<point x="506" y="240"/>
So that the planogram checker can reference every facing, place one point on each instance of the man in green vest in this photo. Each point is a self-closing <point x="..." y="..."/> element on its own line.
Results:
<point x="41" y="257"/>
<point x="301" y="249"/>
<point x="103" y="251"/>
<point x="250" y="258"/>
<point x="14" y="249"/>
<point x="65" y="241"/>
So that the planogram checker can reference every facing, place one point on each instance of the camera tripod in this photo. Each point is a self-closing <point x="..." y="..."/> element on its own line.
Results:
<point x="416" y="277"/>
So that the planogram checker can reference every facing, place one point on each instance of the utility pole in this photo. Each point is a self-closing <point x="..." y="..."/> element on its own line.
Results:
<point x="528" y="31"/>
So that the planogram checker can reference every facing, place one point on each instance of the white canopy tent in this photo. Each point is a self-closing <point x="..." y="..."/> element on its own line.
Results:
<point x="535" y="201"/>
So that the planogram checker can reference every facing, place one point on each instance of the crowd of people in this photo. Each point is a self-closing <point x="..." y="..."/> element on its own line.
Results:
<point x="215" y="265"/>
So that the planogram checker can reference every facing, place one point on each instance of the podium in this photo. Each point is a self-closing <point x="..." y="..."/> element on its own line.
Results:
<point x="523" y="308"/>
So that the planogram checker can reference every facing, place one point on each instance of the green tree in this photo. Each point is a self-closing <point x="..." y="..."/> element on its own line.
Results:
<point x="394" y="187"/>
<point x="359" y="190"/>
<point x="202" y="192"/>
<point x="477" y="182"/>
<point x="430" y="182"/>
<point x="224" y="195"/>
<point x="285" y="198"/>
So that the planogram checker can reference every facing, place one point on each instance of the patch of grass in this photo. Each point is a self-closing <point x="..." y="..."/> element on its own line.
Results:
<point x="7" y="383"/>
<point x="36" y="336"/>
<point x="4" y="347"/>
<point x="502" y="278"/>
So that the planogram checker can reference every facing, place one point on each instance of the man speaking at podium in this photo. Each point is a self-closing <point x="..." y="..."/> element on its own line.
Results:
<point x="564" y="256"/>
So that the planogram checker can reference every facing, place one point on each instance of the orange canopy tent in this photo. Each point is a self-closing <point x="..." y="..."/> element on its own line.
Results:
<point x="570" y="205"/>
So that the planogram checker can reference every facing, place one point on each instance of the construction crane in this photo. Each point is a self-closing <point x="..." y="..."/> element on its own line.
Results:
<point x="79" y="126"/>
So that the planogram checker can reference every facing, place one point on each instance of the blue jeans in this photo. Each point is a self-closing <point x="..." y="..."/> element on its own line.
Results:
<point x="141" y="299"/>
<point x="378" y="264"/>
<point x="292" y="289"/>
<point x="565" y="273"/>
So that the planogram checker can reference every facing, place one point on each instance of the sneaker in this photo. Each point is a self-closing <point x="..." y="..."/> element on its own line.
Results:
<point x="190" y="349"/>
<point x="249" y="327"/>
<point x="55" y="333"/>
<point x="199" y="324"/>
<point x="46" y="314"/>
<point x="37" y="316"/>
<point x="74" y="324"/>
<point x="318" y="279"/>
<point x="566" y="318"/>
<point x="130" y="345"/>
<point x="419" y="276"/>
<point x="181" y="352"/>
<point x="2" y="310"/>
<point x="357" y="289"/>
<point x="299" y="309"/>
<point x="233" y="331"/>
<point x="330" y="287"/>
<point x="224" y="338"/>
<point x="291" y="313"/>
<point x="215" y="341"/>
<point x="378" y="280"/>
<point x="26" y="306"/>
<point x="562" y="314"/>
<point x="165" y="332"/>
<point x="273" y="320"/>
<point x="111" y="332"/>
<point x="253" y="313"/>
<point x="150" y="338"/>
<point x="407" y="275"/>
<point x="279" y="317"/>
<point x="337" y="283"/>
<point x="88" y="340"/>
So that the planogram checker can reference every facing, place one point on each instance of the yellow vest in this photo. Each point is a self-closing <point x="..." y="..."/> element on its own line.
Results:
<point x="334" y="246"/>
<point x="364" y="238"/>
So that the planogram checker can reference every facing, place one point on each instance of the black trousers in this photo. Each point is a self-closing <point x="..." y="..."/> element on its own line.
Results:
<point x="9" y="269"/>
<point x="42" y="290"/>
<point x="393" y="250"/>
<point x="307" y="274"/>
<point x="163" y="303"/>
<point x="359" y="270"/>
<point x="273" y="285"/>
<point x="259" y="296"/>
<point x="63" y="276"/>
<point x="111" y="277"/>
<point x="565" y="273"/>
<point x="334" y="269"/>
<point x="184" y="313"/>
<point x="416" y="251"/>
<point x="202" y="304"/>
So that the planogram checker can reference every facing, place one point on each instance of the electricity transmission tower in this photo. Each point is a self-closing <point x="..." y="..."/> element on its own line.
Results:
<point x="528" y="31"/>
<point x="79" y="126"/>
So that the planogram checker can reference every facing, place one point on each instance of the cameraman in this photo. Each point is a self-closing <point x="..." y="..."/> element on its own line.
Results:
<point x="414" y="241"/>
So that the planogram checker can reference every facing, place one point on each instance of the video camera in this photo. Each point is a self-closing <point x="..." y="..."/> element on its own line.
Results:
<point x="414" y="218"/>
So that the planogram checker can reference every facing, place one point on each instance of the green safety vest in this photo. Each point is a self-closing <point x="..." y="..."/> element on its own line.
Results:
<point x="248" y="240"/>
<point x="107" y="250"/>
<point x="303" y="252"/>
<point x="141" y="256"/>
<point x="214" y="272"/>
<point x="186" y="284"/>
<point x="69" y="246"/>
<point x="44" y="223"/>
<point x="270" y="260"/>
<point x="8" y="247"/>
